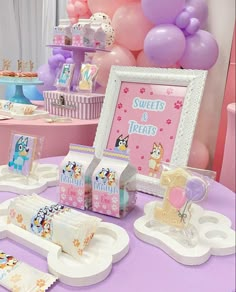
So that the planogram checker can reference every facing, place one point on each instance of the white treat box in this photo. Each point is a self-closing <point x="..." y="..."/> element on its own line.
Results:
<point x="74" y="105"/>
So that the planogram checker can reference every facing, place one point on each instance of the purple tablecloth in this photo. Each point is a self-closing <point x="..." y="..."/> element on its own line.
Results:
<point x="147" y="268"/>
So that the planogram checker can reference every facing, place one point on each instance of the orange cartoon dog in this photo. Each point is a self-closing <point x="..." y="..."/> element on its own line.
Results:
<point x="155" y="159"/>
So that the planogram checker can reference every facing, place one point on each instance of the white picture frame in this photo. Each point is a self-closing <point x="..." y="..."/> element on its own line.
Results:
<point x="192" y="80"/>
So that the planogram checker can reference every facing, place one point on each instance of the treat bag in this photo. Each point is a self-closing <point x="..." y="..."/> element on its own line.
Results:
<point x="62" y="33"/>
<point x="113" y="183"/>
<point x="75" y="176"/>
<point x="88" y="73"/>
<point x="64" y="79"/>
<point x="77" y="32"/>
<point x="18" y="276"/>
<point x="24" y="152"/>
<point x="88" y="36"/>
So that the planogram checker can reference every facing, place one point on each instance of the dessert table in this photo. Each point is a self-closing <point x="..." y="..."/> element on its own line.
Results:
<point x="147" y="268"/>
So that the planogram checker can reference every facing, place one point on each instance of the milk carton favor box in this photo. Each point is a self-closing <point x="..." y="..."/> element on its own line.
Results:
<point x="75" y="177"/>
<point x="113" y="185"/>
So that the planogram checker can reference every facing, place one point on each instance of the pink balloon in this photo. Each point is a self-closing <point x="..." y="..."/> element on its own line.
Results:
<point x="201" y="51"/>
<point x="81" y="8"/>
<point x="162" y="11"/>
<point x="128" y="19"/>
<point x="106" y="6"/>
<point x="177" y="197"/>
<point x="144" y="61"/>
<point x="164" y="45"/>
<point x="118" y="56"/>
<point x="70" y="8"/>
<point x="73" y="20"/>
<point x="199" y="155"/>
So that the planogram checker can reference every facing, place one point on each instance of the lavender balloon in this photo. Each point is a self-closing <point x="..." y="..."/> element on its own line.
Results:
<point x="64" y="53"/>
<point x="162" y="11"/>
<point x="193" y="26"/>
<point x="182" y="19"/>
<point x="164" y="45"/>
<point x="195" y="189"/>
<point x="197" y="9"/>
<point x="201" y="51"/>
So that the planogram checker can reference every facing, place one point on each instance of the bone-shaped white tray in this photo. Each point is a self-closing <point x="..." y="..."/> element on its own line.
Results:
<point x="216" y="237"/>
<point x="47" y="175"/>
<point x="109" y="245"/>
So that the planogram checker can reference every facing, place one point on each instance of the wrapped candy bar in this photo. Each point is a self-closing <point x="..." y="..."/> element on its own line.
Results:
<point x="61" y="225"/>
<point x="20" y="277"/>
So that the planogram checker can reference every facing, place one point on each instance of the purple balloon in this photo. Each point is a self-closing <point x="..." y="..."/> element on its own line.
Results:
<point x="193" y="26"/>
<point x="159" y="11"/>
<point x="197" y="9"/>
<point x="195" y="189"/>
<point x="64" y="53"/>
<point x="201" y="51"/>
<point x="182" y="19"/>
<point x="48" y="76"/>
<point x="164" y="45"/>
<point x="69" y="61"/>
<point x="55" y="61"/>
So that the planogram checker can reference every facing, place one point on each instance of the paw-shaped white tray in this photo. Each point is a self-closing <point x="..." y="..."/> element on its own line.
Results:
<point x="47" y="175"/>
<point x="37" y="114"/>
<point x="216" y="237"/>
<point x="109" y="245"/>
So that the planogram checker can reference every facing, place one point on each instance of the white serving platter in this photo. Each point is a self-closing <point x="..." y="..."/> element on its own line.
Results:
<point x="215" y="236"/>
<point x="109" y="245"/>
<point x="46" y="175"/>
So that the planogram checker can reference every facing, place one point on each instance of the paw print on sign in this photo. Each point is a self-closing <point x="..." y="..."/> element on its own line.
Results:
<point x="142" y="90"/>
<point x="169" y="90"/>
<point x="142" y="157"/>
<point x="120" y="105"/>
<point x="178" y="104"/>
<point x="139" y="168"/>
<point x="171" y="137"/>
<point x="168" y="121"/>
<point x="119" y="118"/>
<point x="126" y="90"/>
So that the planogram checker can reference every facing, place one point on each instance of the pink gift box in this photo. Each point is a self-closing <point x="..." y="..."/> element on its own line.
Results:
<point x="73" y="105"/>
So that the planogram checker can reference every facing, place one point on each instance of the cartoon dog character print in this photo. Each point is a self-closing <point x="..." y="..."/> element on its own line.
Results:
<point x="77" y="171"/>
<point x="103" y="175"/>
<point x="111" y="178"/>
<point x="155" y="159"/>
<point x="68" y="169"/>
<point x="121" y="143"/>
<point x="7" y="261"/>
<point x="20" y="155"/>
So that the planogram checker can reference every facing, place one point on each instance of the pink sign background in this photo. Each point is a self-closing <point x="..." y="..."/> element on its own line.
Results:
<point x="147" y="114"/>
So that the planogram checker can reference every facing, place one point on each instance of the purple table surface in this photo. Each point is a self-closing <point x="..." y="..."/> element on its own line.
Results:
<point x="145" y="267"/>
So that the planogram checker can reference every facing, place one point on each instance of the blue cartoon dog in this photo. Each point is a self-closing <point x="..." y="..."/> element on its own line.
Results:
<point x="20" y="154"/>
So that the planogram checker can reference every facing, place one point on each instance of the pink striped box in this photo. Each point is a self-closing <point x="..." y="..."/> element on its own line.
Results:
<point x="73" y="104"/>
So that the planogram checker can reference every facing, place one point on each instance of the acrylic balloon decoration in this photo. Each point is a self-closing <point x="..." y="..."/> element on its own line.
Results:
<point x="182" y="189"/>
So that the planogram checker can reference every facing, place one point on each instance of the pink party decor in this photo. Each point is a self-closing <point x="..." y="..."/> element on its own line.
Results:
<point x="118" y="56"/>
<point x="199" y="155"/>
<point x="177" y="197"/>
<point x="126" y="21"/>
